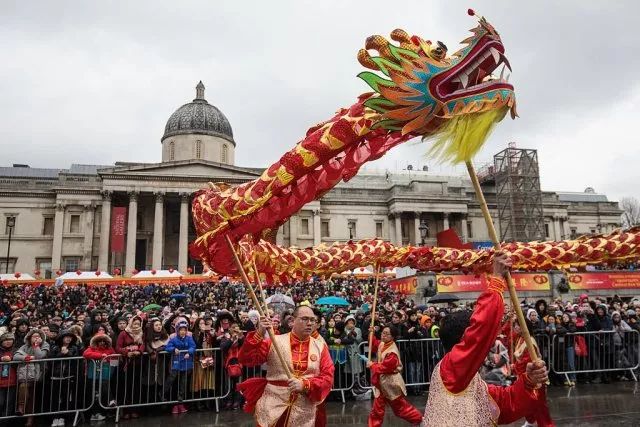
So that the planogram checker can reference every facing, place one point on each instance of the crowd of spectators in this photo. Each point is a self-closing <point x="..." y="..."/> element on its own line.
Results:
<point x="165" y="336"/>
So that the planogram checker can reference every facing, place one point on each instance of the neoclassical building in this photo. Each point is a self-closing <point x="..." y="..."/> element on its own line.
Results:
<point x="61" y="219"/>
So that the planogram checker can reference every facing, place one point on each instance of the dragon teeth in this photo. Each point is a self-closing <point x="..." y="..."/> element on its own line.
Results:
<point x="464" y="80"/>
<point x="502" y="72"/>
<point x="496" y="54"/>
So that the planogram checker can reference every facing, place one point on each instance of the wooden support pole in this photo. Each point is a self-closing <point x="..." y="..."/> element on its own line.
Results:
<point x="373" y="309"/>
<point x="253" y="296"/>
<point x="496" y="244"/>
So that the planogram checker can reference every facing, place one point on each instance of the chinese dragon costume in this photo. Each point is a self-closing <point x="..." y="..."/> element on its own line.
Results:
<point x="419" y="91"/>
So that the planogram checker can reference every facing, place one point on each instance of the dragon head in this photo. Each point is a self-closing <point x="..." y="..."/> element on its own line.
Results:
<point x="426" y="87"/>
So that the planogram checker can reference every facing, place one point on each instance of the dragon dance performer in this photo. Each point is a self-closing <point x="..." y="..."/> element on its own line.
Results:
<point x="276" y="400"/>
<point x="540" y="416"/>
<point x="458" y="396"/>
<point x="388" y="385"/>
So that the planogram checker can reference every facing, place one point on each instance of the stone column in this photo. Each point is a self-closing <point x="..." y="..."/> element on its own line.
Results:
<point x="445" y="220"/>
<point x="463" y="225"/>
<point x="158" y="232"/>
<point x="293" y="230"/>
<point x="105" y="232"/>
<point x="557" y="232"/>
<point x="416" y="229"/>
<point x="566" y="230"/>
<point x="317" y="238"/>
<point x="58" y="228"/>
<point x="87" y="246"/>
<point x="398" y="221"/>
<point x="183" y="240"/>
<point x="132" y="233"/>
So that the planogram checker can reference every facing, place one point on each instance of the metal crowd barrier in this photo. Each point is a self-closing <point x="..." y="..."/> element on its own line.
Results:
<point x="126" y="383"/>
<point x="63" y="386"/>
<point x="595" y="353"/>
<point x="45" y="387"/>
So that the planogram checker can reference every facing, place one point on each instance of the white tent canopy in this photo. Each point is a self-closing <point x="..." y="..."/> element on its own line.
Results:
<point x="160" y="274"/>
<point x="85" y="275"/>
<point x="12" y="276"/>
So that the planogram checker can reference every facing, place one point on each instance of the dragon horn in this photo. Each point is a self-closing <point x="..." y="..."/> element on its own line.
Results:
<point x="380" y="44"/>
<point x="365" y="59"/>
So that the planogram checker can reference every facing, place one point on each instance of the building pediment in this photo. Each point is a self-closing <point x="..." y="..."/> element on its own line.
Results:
<point x="181" y="169"/>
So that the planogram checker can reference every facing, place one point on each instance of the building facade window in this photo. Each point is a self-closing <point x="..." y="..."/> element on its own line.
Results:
<point x="140" y="220"/>
<point x="574" y="233"/>
<point x="12" y="265"/>
<point x="304" y="226"/>
<point x="379" y="229"/>
<point x="469" y="230"/>
<point x="47" y="226"/>
<point x="72" y="263"/>
<point x="351" y="226"/>
<point x="324" y="228"/>
<point x="225" y="154"/>
<point x="74" y="224"/>
<point x="546" y="230"/>
<point x="198" y="149"/>
<point x="10" y="221"/>
<point x="172" y="150"/>
<point x="44" y="265"/>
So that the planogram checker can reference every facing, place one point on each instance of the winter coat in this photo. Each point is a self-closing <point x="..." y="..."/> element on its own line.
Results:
<point x="178" y="361"/>
<point x="69" y="368"/>
<point x="126" y="344"/>
<point x="30" y="371"/>
<point x="354" y="364"/>
<point x="8" y="374"/>
<point x="94" y="355"/>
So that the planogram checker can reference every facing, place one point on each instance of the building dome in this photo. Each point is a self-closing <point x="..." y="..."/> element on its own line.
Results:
<point x="198" y="118"/>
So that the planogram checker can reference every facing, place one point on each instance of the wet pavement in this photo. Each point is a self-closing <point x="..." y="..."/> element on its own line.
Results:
<point x="586" y="405"/>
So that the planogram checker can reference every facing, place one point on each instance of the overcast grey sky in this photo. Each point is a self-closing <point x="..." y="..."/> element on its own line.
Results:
<point x="95" y="82"/>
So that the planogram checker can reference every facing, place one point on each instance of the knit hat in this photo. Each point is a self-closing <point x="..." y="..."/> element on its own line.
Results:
<point x="8" y="336"/>
<point x="181" y="325"/>
<point x="530" y="311"/>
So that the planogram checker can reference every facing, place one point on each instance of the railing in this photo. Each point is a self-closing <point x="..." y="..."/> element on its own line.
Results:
<point x="73" y="385"/>
<point x="45" y="387"/>
<point x="598" y="353"/>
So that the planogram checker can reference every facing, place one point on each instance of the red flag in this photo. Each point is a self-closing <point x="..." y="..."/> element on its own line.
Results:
<point x="118" y="228"/>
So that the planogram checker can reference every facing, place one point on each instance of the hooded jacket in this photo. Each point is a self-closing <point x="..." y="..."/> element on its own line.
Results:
<point x="29" y="372"/>
<point x="8" y="376"/>
<point x="186" y="345"/>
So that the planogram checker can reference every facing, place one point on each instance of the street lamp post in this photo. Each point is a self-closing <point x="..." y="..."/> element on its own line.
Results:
<point x="350" y="225"/>
<point x="424" y="230"/>
<point x="11" y="222"/>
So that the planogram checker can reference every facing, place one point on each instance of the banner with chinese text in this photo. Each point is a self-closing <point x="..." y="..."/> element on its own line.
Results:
<point x="118" y="228"/>
<point x="604" y="280"/>
<point x="405" y="285"/>
<point x="471" y="283"/>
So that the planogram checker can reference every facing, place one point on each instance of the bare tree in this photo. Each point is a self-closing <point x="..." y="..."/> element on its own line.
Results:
<point x="631" y="211"/>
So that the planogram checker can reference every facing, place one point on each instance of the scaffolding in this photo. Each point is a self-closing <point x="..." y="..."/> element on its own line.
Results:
<point x="518" y="195"/>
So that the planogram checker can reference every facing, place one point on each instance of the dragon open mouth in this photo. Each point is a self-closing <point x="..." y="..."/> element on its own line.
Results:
<point x="474" y="73"/>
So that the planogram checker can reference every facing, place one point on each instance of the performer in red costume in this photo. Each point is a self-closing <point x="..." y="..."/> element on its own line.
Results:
<point x="388" y="385"/>
<point x="540" y="416"/>
<point x="321" y="409"/>
<point x="457" y="395"/>
<point x="277" y="400"/>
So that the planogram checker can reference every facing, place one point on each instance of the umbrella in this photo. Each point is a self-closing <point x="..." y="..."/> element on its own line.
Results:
<point x="280" y="302"/>
<point x="151" y="307"/>
<point x="332" y="301"/>
<point x="442" y="298"/>
<point x="178" y="296"/>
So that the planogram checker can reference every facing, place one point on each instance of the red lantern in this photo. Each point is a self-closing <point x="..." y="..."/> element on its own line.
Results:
<point x="153" y="271"/>
<point x="5" y="282"/>
<point x="134" y="271"/>
<point x="18" y="275"/>
<point x="58" y="272"/>
<point x="37" y="273"/>
<point x="78" y="272"/>
<point x="116" y="271"/>
<point x="97" y="272"/>
<point x="189" y="270"/>
<point x="171" y="270"/>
